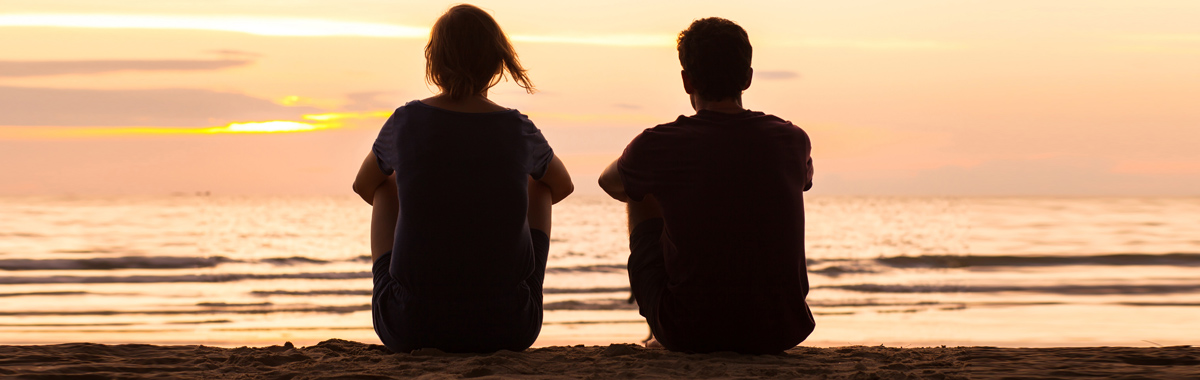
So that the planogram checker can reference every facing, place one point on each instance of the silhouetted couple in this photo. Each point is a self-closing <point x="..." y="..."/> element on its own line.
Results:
<point x="462" y="190"/>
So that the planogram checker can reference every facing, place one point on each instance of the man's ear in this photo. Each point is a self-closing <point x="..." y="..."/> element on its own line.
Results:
<point x="687" y="82"/>
<point x="749" y="78"/>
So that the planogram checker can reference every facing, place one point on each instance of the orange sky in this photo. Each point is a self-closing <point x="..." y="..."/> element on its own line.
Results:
<point x="916" y="97"/>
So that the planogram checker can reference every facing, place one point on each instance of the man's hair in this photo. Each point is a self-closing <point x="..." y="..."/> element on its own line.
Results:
<point x="715" y="53"/>
<point x="468" y="54"/>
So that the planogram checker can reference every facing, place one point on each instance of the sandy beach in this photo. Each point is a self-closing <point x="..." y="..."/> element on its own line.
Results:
<point x="340" y="359"/>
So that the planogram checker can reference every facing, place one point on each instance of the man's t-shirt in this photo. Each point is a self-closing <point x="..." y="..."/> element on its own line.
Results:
<point x="731" y="191"/>
<point x="462" y="184"/>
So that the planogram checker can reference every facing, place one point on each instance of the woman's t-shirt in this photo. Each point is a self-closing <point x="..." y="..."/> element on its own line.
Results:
<point x="463" y="191"/>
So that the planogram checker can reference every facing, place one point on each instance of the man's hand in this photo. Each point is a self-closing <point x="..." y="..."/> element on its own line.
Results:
<point x="611" y="182"/>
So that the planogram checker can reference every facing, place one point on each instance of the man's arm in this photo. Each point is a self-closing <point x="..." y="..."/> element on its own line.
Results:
<point x="611" y="182"/>
<point x="558" y="180"/>
<point x="369" y="178"/>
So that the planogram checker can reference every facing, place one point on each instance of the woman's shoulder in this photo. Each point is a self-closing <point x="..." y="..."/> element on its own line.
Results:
<point x="472" y="106"/>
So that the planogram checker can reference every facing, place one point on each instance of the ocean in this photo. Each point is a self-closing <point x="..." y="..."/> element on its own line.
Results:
<point x="896" y="271"/>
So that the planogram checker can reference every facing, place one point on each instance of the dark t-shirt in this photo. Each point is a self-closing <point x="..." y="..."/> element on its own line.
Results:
<point x="462" y="230"/>
<point x="731" y="191"/>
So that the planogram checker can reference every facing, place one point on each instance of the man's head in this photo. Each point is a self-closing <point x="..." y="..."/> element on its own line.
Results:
<point x="715" y="54"/>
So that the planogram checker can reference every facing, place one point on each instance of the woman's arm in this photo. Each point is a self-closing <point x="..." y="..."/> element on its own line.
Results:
<point x="557" y="179"/>
<point x="369" y="178"/>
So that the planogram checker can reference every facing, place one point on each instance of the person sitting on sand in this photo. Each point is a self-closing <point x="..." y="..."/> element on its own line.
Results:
<point x="461" y="190"/>
<point x="716" y="210"/>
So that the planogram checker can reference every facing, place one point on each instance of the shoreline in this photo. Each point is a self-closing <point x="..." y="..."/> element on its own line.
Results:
<point x="337" y="358"/>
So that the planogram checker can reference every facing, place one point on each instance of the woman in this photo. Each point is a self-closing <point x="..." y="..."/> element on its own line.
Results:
<point x="461" y="189"/>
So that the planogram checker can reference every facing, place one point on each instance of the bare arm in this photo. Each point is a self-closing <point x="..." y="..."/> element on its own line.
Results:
<point x="558" y="180"/>
<point x="369" y="178"/>
<point x="610" y="181"/>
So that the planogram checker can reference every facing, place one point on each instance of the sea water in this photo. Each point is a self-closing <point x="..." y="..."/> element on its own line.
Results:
<point x="231" y="271"/>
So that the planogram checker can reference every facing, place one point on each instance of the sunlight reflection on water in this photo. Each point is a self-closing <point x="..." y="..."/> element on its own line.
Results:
<point x="260" y="270"/>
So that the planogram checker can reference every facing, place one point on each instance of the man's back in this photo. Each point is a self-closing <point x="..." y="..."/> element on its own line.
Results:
<point x="730" y="189"/>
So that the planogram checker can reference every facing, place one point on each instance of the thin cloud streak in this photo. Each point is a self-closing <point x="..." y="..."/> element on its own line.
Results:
<point x="882" y="44"/>
<point x="262" y="26"/>
<point x="1165" y="37"/>
<point x="49" y="68"/>
<point x="67" y="133"/>
<point x="609" y="40"/>
<point x="34" y="106"/>
<point x="776" y="74"/>
<point x="296" y="27"/>
<point x="313" y="122"/>
<point x="308" y="27"/>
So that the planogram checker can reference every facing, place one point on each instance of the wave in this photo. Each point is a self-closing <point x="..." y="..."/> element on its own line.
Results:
<point x="108" y="263"/>
<point x="598" y="268"/>
<point x="1167" y="304"/>
<point x="583" y="290"/>
<point x="826" y="267"/>
<point x="607" y="322"/>
<point x="339" y="292"/>
<point x="1051" y="289"/>
<point x="873" y="303"/>
<point x="225" y="304"/>
<point x="149" y="262"/>
<point x="594" y="304"/>
<point x="21" y="234"/>
<point x="838" y="270"/>
<point x="64" y="293"/>
<point x="367" y="292"/>
<point x="964" y="261"/>
<point x="180" y="278"/>
<point x="313" y="309"/>
<point x="289" y="261"/>
<point x="840" y="267"/>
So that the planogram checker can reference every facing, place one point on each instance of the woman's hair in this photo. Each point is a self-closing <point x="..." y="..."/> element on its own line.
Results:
<point x="716" y="53"/>
<point x="468" y="54"/>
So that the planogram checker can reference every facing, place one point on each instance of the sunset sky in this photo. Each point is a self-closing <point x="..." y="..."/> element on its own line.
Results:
<point x="920" y="97"/>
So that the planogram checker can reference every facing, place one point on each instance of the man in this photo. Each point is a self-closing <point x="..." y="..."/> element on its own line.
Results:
<point x="716" y="210"/>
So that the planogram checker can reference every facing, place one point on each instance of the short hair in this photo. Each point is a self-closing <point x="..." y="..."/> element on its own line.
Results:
<point x="468" y="54"/>
<point x="715" y="53"/>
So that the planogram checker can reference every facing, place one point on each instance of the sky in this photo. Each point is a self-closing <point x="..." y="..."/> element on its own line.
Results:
<point x="920" y="97"/>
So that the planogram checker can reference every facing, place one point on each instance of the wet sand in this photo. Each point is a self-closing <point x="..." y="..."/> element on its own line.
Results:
<point x="339" y="359"/>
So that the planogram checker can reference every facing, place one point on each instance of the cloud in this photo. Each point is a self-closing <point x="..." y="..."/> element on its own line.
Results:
<point x="775" y="74"/>
<point x="263" y="26"/>
<point x="1165" y="37"/>
<point x="27" y="106"/>
<point x="373" y="100"/>
<point x="877" y="44"/>
<point x="300" y="27"/>
<point x="605" y="39"/>
<point x="47" y="68"/>
<point x="234" y="54"/>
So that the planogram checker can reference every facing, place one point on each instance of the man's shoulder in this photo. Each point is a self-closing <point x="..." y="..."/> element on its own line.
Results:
<point x="766" y="118"/>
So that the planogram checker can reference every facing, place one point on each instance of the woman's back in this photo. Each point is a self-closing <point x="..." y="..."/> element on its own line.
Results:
<point x="462" y="181"/>
<point x="461" y="190"/>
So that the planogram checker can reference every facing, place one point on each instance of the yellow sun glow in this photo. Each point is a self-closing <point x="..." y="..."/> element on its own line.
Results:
<point x="314" y="122"/>
<point x="268" y="127"/>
